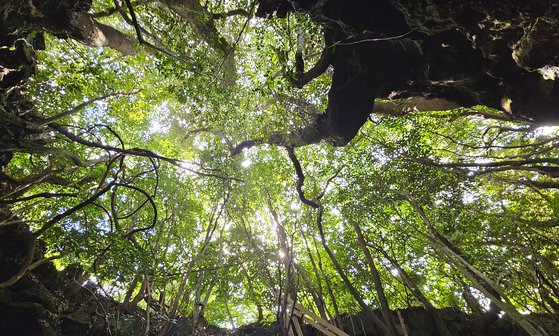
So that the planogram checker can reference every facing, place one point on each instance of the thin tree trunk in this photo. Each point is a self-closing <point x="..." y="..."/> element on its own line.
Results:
<point x="178" y="299"/>
<point x="148" y="305"/>
<point x="139" y="297"/>
<point x="126" y="302"/>
<point x="253" y="294"/>
<point x="319" y="292"/>
<point x="385" y="309"/>
<point x="370" y="313"/>
<point x="231" y="321"/>
<point x="480" y="281"/>
<point x="206" y="299"/>
<point x="283" y="245"/>
<point x="471" y="301"/>
<point x="317" y="300"/>
<point x="197" y="294"/>
<point x="441" y="326"/>
<point x="162" y="294"/>
<point x="328" y="287"/>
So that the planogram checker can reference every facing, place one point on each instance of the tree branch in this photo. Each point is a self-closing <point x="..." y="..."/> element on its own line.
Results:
<point x="70" y="211"/>
<point x="318" y="69"/>
<point x="79" y="107"/>
<point x="96" y="34"/>
<point x="300" y="179"/>
<point x="39" y="195"/>
<point x="141" y="39"/>
<point x="137" y="152"/>
<point x="233" y="12"/>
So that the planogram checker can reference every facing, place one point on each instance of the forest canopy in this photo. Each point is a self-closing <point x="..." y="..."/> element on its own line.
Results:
<point x="238" y="162"/>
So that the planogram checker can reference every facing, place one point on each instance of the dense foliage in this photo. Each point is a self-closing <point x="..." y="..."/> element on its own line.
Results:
<point x="131" y="174"/>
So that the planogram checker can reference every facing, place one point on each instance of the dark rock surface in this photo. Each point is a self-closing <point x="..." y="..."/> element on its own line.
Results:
<point x="419" y="322"/>
<point x="502" y="54"/>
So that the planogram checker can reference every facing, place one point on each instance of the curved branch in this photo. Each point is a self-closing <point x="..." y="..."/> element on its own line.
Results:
<point x="303" y="78"/>
<point x="43" y="195"/>
<point x="136" y="152"/>
<point x="330" y="179"/>
<point x="300" y="179"/>
<point x="139" y="30"/>
<point x="70" y="211"/>
<point x="247" y="144"/>
<point x="26" y="265"/>
<point x="152" y="203"/>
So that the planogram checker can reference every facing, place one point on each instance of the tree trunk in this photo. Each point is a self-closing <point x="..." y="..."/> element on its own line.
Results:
<point x="328" y="287"/>
<point x="480" y="281"/>
<point x="370" y="313"/>
<point x="126" y="302"/>
<point x="385" y="309"/>
<point x="253" y="294"/>
<point x="319" y="300"/>
<point x="197" y="304"/>
<point x="441" y="326"/>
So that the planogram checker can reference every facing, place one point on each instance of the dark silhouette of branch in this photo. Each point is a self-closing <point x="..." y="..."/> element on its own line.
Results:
<point x="136" y="152"/>
<point x="233" y="12"/>
<point x="152" y="203"/>
<point x="229" y="54"/>
<point x="81" y="106"/>
<point x="70" y="211"/>
<point x="105" y="13"/>
<point x="535" y="184"/>
<point x="39" y="195"/>
<point x="142" y="41"/>
<point x="303" y="78"/>
<point x="488" y="146"/>
<point x="113" y="10"/>
<point x="330" y="179"/>
<point x="300" y="179"/>
<point x="247" y="144"/>
<point x="550" y="170"/>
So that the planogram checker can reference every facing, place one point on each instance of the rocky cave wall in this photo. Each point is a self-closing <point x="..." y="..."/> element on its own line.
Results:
<point x="502" y="54"/>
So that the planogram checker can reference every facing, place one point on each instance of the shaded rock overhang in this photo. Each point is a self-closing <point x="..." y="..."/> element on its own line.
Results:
<point x="501" y="54"/>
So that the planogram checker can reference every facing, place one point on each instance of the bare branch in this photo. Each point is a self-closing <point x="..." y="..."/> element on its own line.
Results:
<point x="300" y="179"/>
<point x="233" y="12"/>
<point x="330" y="179"/>
<point x="70" y="211"/>
<point x="152" y="203"/>
<point x="81" y="106"/>
<point x="39" y="195"/>
<point x="136" y="152"/>
<point x="318" y="69"/>
<point x="245" y="144"/>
